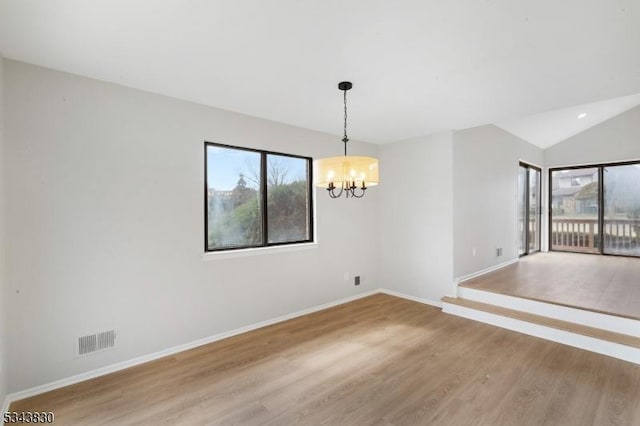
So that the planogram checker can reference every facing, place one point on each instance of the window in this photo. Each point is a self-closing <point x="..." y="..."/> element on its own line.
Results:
<point x="621" y="202"/>
<point x="528" y="209"/>
<point x="256" y="198"/>
<point x="574" y="211"/>
<point x="602" y="214"/>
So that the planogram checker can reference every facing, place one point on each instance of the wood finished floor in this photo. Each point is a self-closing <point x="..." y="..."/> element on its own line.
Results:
<point x="608" y="284"/>
<point x="380" y="360"/>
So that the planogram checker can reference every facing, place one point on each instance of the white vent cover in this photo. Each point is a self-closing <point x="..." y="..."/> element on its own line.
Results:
<point x="92" y="343"/>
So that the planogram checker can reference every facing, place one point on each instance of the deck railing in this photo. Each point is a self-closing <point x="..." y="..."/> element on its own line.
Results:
<point x="578" y="234"/>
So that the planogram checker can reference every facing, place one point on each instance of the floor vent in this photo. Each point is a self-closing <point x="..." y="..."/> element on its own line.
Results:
<point x="96" y="342"/>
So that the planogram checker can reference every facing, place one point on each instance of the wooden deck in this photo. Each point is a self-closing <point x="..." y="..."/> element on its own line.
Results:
<point x="607" y="284"/>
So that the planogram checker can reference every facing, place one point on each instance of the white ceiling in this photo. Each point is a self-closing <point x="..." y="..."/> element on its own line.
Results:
<point x="418" y="66"/>
<point x="549" y="128"/>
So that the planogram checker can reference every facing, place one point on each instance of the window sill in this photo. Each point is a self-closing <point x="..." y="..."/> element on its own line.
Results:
<point x="231" y="254"/>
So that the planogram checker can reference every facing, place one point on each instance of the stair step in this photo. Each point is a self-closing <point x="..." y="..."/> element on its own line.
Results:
<point x="613" y="323"/>
<point x="596" y="333"/>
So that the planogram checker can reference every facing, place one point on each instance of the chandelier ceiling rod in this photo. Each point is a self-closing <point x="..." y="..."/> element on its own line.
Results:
<point x="344" y="86"/>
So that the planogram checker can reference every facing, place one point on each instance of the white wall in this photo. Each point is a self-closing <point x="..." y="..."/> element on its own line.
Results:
<point x="616" y="139"/>
<point x="485" y="176"/>
<point x="3" y="306"/>
<point x="105" y="225"/>
<point x="104" y="214"/>
<point x="416" y="218"/>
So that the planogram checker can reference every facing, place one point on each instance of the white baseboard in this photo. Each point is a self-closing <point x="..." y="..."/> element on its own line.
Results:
<point x="413" y="298"/>
<point x="464" y="278"/>
<point x="615" y="350"/>
<point x="16" y="396"/>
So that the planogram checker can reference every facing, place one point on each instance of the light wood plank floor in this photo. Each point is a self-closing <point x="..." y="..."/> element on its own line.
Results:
<point x="608" y="284"/>
<point x="380" y="360"/>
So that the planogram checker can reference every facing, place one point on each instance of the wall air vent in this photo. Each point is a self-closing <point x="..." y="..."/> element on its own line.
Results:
<point x="93" y="343"/>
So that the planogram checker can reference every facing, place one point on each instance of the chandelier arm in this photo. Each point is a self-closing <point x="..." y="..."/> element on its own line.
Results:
<point x="332" y="191"/>
<point x="353" y="194"/>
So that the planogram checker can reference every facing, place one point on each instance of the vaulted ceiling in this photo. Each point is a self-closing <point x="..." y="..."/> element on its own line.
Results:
<point x="418" y="66"/>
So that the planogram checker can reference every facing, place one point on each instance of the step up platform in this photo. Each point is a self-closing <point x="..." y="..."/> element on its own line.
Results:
<point x="611" y="335"/>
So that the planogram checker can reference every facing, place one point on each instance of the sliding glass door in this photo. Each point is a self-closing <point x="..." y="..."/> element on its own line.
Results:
<point x="534" y="210"/>
<point x="622" y="209"/>
<point x="522" y="207"/>
<point x="596" y="209"/>
<point x="574" y="210"/>
<point x="528" y="209"/>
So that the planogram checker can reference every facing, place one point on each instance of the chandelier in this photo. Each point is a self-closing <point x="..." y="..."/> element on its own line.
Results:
<point x="348" y="175"/>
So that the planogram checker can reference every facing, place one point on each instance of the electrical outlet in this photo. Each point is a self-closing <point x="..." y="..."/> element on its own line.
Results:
<point x="498" y="251"/>
<point x="473" y="252"/>
<point x="356" y="280"/>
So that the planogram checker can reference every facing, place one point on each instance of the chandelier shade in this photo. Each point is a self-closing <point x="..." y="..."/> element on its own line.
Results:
<point x="346" y="171"/>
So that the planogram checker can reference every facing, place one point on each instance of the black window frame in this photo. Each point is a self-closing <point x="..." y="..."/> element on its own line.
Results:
<point x="601" y="212"/>
<point x="263" y="194"/>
